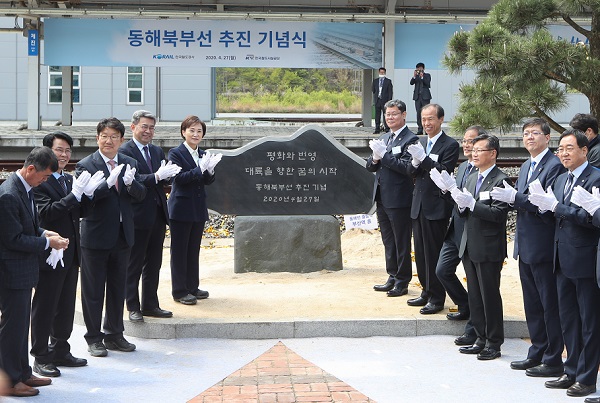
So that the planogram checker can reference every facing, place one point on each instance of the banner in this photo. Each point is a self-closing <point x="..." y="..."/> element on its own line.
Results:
<point x="230" y="43"/>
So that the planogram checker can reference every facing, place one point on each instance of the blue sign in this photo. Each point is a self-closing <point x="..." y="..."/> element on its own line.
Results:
<point x="33" y="42"/>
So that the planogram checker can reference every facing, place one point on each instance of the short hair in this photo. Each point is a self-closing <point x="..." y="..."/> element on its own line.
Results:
<point x="383" y="68"/>
<point x="48" y="140"/>
<point x="492" y="142"/>
<point x="479" y="129"/>
<point x="189" y="121"/>
<point x="112" y="123"/>
<point x="537" y="122"/>
<point x="580" y="137"/>
<point x="438" y="109"/>
<point x="583" y="121"/>
<point x="420" y="64"/>
<point x="137" y="115"/>
<point x="42" y="158"/>
<point x="395" y="102"/>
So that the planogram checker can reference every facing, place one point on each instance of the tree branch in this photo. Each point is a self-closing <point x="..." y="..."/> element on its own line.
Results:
<point x="553" y="124"/>
<point x="576" y="26"/>
<point x="556" y="77"/>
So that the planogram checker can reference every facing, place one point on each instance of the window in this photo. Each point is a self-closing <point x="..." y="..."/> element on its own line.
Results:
<point x="135" y="85"/>
<point x="55" y="85"/>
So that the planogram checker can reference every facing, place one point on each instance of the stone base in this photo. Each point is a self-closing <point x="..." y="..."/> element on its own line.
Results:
<point x="298" y="244"/>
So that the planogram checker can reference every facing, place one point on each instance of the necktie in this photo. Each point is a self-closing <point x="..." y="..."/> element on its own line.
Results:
<point x="568" y="187"/>
<point x="479" y="182"/>
<point x="466" y="175"/>
<point x="147" y="158"/>
<point x="113" y="164"/>
<point x="31" y="203"/>
<point x="63" y="183"/>
<point x="429" y="146"/>
<point x="531" y="170"/>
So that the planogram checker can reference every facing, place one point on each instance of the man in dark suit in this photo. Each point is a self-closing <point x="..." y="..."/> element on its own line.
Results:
<point x="53" y="307"/>
<point x="534" y="237"/>
<point x="150" y="219"/>
<point x="382" y="92"/>
<point x="107" y="235"/>
<point x="430" y="209"/>
<point x="421" y="93"/>
<point x="22" y="240"/>
<point x="445" y="269"/>
<point x="393" y="194"/>
<point x="483" y="247"/>
<point x="575" y="248"/>
<point x="588" y="124"/>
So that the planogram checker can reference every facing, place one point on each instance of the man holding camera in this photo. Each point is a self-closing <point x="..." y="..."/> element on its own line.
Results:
<point x="421" y="93"/>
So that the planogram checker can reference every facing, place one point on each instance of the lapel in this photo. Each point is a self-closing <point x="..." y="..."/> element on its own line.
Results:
<point x="187" y="156"/>
<point x="577" y="182"/>
<point x="522" y="180"/>
<point x="68" y="181"/>
<point x="55" y="185"/>
<point x="101" y="165"/>
<point x="24" y="197"/>
<point x="439" y="144"/>
<point x="140" y="157"/>
<point x="487" y="184"/>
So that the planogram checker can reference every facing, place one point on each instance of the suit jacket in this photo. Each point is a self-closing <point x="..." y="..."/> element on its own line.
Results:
<point x="456" y="225"/>
<point x="155" y="194"/>
<point x="100" y="228"/>
<point x="575" y="237"/>
<point x="387" y="90"/>
<point x="187" y="201"/>
<point x="484" y="236"/>
<point x="427" y="197"/>
<point x="393" y="179"/>
<point x="60" y="213"/>
<point x="534" y="235"/>
<point x="593" y="155"/>
<point x="422" y="86"/>
<point x="20" y="238"/>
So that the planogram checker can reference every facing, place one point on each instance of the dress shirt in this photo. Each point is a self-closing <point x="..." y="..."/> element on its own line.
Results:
<point x="193" y="152"/>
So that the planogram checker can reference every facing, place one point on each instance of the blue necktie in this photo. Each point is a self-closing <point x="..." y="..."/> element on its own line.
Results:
<point x="479" y="182"/>
<point x="568" y="187"/>
<point x="531" y="170"/>
<point x="429" y="146"/>
<point x="63" y="183"/>
<point x="466" y="175"/>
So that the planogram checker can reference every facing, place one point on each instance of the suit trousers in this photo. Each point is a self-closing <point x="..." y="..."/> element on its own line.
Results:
<point x="540" y="299"/>
<point x="52" y="313"/>
<point x="578" y="302"/>
<point x="428" y="236"/>
<point x="186" y="237"/>
<point x="485" y="301"/>
<point x="15" y="306"/>
<point x="419" y="104"/>
<point x="395" y="234"/>
<point x="379" y="111"/>
<point x="100" y="267"/>
<point x="145" y="262"/>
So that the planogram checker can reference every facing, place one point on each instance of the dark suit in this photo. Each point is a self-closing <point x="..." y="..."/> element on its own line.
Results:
<point x="483" y="249"/>
<point x="393" y="194"/>
<point x="430" y="212"/>
<point x="53" y="306"/>
<point x="534" y="238"/>
<point x="448" y="260"/>
<point x="21" y="242"/>
<point x="150" y="218"/>
<point x="187" y="216"/>
<point x="387" y="91"/>
<point x="107" y="235"/>
<point x="421" y="95"/>
<point x="575" y="248"/>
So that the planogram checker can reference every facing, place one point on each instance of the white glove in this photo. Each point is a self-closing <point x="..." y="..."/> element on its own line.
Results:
<point x="585" y="199"/>
<point x="442" y="180"/>
<point x="448" y="179"/>
<point x="129" y="175"/>
<point x="96" y="180"/>
<point x="114" y="176"/>
<point x="167" y="170"/>
<point x="506" y="194"/>
<point x="204" y="162"/>
<point x="464" y="199"/>
<point x="544" y="201"/>
<point x="379" y="148"/>
<point x="213" y="161"/>
<point x="56" y="255"/>
<point x="417" y="151"/>
<point x="79" y="184"/>
<point x="536" y="187"/>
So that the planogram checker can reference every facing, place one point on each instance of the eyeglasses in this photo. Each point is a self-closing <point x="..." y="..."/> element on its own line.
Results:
<point x="146" y="127"/>
<point x="480" y="150"/>
<point x="565" y="150"/>
<point x="104" y="137"/>
<point x="390" y="115"/>
<point x="465" y="141"/>
<point x="62" y="151"/>
<point x="534" y="133"/>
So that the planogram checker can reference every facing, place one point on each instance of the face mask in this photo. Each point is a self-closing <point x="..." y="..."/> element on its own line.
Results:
<point x="381" y="75"/>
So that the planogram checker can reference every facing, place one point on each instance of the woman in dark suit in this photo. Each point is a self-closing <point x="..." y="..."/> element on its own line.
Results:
<point x="188" y="212"/>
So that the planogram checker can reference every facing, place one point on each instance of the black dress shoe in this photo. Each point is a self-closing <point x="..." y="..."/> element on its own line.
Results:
<point x="119" y="344"/>
<point x="97" y="349"/>
<point x="376" y="132"/>
<point x="564" y="382"/>
<point x="458" y="315"/>
<point x="70" y="361"/>
<point x="488" y="353"/>
<point x="136" y="316"/>
<point x="580" y="390"/>
<point x="526" y="364"/>
<point x="419" y="301"/>
<point x="157" y="313"/>
<point x="544" y="370"/>
<point x="465" y="340"/>
<point x="200" y="294"/>
<point x="592" y="400"/>
<point x="385" y="287"/>
<point x="474" y="349"/>
<point x="46" y="369"/>
<point x="188" y="299"/>
<point x="430" y="308"/>
<point x="397" y="291"/>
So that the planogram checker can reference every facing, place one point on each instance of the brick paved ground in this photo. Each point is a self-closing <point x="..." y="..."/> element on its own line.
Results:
<point x="280" y="375"/>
